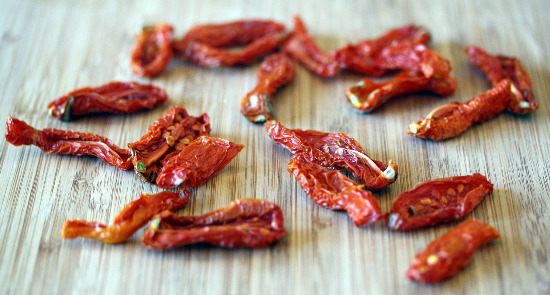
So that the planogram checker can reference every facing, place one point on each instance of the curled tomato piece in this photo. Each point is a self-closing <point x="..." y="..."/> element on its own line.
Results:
<point x="199" y="161"/>
<point x="114" y="97"/>
<point x="447" y="255"/>
<point x="368" y="95"/>
<point x="360" y="57"/>
<point x="153" y="50"/>
<point x="302" y="48"/>
<point x="207" y="45"/>
<point x="453" y="119"/>
<point x="275" y="71"/>
<point x="54" y="141"/>
<point x="133" y="217"/>
<point x="334" y="151"/>
<point x="497" y="68"/>
<point x="228" y="34"/>
<point x="333" y="190"/>
<point x="207" y="56"/>
<point x="169" y="135"/>
<point x="437" y="201"/>
<point x="413" y="57"/>
<point x="250" y="223"/>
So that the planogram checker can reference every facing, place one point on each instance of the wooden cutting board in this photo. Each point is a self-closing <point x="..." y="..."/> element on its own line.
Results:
<point x="49" y="48"/>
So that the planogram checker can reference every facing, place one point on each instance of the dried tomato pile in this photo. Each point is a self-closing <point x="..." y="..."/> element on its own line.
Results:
<point x="177" y="152"/>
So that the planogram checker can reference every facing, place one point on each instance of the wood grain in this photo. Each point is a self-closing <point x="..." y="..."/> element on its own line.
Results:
<point x="49" y="48"/>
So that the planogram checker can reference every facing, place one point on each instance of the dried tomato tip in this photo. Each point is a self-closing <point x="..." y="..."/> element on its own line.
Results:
<point x="301" y="46"/>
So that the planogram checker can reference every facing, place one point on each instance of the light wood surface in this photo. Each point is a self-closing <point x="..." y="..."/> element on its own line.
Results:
<point x="49" y="48"/>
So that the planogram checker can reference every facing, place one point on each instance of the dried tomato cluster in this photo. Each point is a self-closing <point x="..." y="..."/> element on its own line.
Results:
<point x="177" y="149"/>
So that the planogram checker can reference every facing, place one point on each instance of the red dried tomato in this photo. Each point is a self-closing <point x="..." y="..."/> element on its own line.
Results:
<point x="447" y="255"/>
<point x="229" y="34"/>
<point x="302" y="48"/>
<point x="333" y="190"/>
<point x="208" y="56"/>
<point x="497" y="68"/>
<point x="436" y="201"/>
<point x="169" y="135"/>
<point x="54" y="141"/>
<point x="413" y="57"/>
<point x="334" y="151"/>
<point x="206" y="45"/>
<point x="275" y="71"/>
<point x="453" y="119"/>
<point x="114" y="97"/>
<point x="153" y="50"/>
<point x="248" y="223"/>
<point x="134" y="216"/>
<point x="360" y="57"/>
<point x="367" y="95"/>
<point x="199" y="161"/>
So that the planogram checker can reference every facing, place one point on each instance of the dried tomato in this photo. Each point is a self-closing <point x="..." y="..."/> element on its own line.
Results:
<point x="114" y="97"/>
<point x="360" y="57"/>
<point x="413" y="57"/>
<point x="54" y="141"/>
<point x="248" y="223"/>
<point x="333" y="190"/>
<point x="199" y="161"/>
<point x="497" y="68"/>
<point x="208" y="56"/>
<point x="436" y="201"/>
<point x="368" y="95"/>
<point x="447" y="255"/>
<point x="153" y="50"/>
<point x="133" y="217"/>
<point x="302" y="48"/>
<point x="334" y="151"/>
<point x="206" y="45"/>
<point x="227" y="34"/>
<point x="169" y="135"/>
<point x="453" y="119"/>
<point x="275" y="71"/>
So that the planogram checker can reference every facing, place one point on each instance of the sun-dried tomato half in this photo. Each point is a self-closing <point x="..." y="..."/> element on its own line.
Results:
<point x="334" y="151"/>
<point x="250" y="223"/>
<point x="114" y="97"/>
<point x="153" y="50"/>
<point x="54" y="141"/>
<point x="448" y="254"/>
<point x="199" y="161"/>
<point x="360" y="57"/>
<point x="165" y="139"/>
<point x="436" y="201"/>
